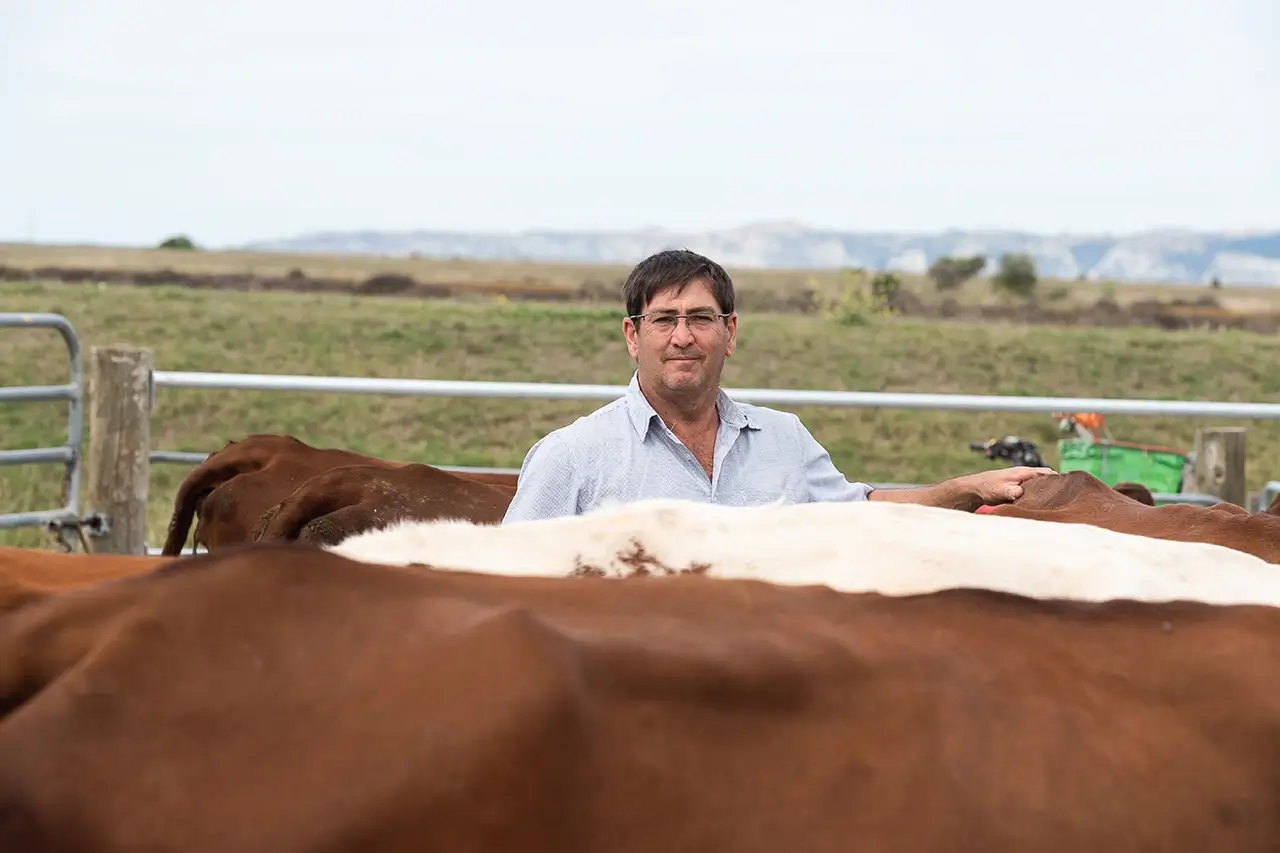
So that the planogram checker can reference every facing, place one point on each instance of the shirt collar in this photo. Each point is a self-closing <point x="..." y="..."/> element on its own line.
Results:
<point x="642" y="413"/>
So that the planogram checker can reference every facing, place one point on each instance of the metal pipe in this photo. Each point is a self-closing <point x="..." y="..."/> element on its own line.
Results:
<point x="39" y="518"/>
<point x="191" y="458"/>
<point x="72" y="392"/>
<point x="778" y="397"/>
<point x="37" y="393"/>
<point x="36" y="456"/>
<point x="177" y="457"/>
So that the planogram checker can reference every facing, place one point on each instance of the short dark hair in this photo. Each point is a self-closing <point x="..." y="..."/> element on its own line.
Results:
<point x="674" y="268"/>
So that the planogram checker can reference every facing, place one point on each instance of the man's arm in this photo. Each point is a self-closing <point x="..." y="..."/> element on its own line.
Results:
<point x="969" y="491"/>
<point x="948" y="494"/>
<point x="826" y="483"/>
<point x="966" y="493"/>
<point x="549" y="484"/>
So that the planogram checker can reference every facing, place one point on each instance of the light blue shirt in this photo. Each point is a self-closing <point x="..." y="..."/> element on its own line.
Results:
<point x="624" y="452"/>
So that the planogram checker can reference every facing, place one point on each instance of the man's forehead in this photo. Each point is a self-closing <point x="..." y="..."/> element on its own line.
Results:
<point x="691" y="295"/>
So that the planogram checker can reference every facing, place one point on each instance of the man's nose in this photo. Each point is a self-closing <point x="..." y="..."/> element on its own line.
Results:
<point x="682" y="336"/>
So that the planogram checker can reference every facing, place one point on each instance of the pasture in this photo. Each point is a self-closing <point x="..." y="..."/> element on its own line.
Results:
<point x="759" y="289"/>
<point x="486" y="338"/>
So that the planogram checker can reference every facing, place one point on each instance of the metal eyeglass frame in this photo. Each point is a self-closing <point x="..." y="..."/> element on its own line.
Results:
<point x="636" y="318"/>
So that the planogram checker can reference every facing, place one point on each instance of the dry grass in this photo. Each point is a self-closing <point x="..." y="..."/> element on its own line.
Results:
<point x="494" y="275"/>
<point x="495" y="340"/>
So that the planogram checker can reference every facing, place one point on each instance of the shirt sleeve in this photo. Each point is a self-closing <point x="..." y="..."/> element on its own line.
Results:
<point x="549" y="483"/>
<point x="826" y="483"/>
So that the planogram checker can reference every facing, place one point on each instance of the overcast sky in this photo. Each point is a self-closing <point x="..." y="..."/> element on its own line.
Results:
<point x="128" y="120"/>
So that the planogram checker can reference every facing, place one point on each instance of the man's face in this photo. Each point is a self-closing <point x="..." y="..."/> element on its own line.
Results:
<point x="690" y="356"/>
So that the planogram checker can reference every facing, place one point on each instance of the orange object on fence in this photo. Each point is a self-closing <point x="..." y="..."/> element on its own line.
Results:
<point x="1091" y="425"/>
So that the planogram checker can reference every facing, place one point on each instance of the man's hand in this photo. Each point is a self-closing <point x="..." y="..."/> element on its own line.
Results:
<point x="1000" y="486"/>
<point x="969" y="492"/>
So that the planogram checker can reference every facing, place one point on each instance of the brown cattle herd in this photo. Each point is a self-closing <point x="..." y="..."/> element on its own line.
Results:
<point x="273" y="696"/>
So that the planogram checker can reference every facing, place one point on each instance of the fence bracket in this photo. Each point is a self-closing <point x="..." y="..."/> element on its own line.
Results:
<point x="93" y="525"/>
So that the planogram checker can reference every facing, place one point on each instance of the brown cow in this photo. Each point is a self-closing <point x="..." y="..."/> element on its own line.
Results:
<point x="345" y="501"/>
<point x="1137" y="491"/>
<point x="27" y="574"/>
<point x="279" y="698"/>
<point x="1078" y="497"/>
<point x="234" y="486"/>
<point x="1133" y="491"/>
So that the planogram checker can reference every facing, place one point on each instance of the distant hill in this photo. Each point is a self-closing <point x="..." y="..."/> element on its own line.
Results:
<point x="1172" y="257"/>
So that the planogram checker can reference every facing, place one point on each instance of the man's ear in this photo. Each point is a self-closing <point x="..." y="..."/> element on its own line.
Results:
<point x="630" y="332"/>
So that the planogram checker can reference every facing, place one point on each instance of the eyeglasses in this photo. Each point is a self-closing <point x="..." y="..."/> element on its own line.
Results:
<point x="699" y="321"/>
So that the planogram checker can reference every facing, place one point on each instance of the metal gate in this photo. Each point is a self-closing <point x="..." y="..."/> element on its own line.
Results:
<point x="1270" y="492"/>
<point x="66" y="521"/>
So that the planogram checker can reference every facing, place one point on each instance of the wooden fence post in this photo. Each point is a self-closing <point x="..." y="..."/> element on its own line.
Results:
<point x="119" y="458"/>
<point x="1219" y="468"/>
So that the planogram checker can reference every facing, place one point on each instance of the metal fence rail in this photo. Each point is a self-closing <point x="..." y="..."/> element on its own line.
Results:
<point x="69" y="454"/>
<point x="182" y="457"/>
<point x="185" y="457"/>
<point x="763" y="396"/>
<point x="64" y="519"/>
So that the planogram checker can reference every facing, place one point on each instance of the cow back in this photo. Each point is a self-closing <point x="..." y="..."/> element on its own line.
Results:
<point x="282" y="698"/>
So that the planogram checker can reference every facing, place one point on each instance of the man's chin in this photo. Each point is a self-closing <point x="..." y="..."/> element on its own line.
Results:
<point x="683" y="375"/>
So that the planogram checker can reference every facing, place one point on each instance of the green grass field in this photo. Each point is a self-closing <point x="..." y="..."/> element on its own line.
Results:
<point x="496" y="340"/>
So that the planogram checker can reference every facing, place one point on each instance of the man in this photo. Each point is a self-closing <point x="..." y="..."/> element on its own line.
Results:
<point x="675" y="434"/>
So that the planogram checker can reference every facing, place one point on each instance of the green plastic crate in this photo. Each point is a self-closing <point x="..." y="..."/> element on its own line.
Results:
<point x="1160" y="469"/>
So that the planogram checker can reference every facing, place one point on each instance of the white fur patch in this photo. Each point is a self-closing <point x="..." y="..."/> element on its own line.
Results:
<point x="860" y="546"/>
